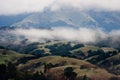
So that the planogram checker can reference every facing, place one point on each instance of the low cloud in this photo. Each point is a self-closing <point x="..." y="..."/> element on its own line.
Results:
<point x="83" y="35"/>
<point x="114" y="38"/>
<point x="11" y="7"/>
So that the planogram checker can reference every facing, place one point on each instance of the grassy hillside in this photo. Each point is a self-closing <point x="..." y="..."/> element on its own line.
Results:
<point x="60" y="63"/>
<point x="91" y="73"/>
<point x="90" y="57"/>
<point x="9" y="55"/>
<point x="112" y="64"/>
<point x="55" y="60"/>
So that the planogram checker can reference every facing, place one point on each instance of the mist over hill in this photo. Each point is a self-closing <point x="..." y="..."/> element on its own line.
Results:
<point x="69" y="24"/>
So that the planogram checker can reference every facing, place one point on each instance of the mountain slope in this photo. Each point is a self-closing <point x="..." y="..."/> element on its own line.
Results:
<point x="11" y="19"/>
<point x="71" y="18"/>
<point x="106" y="19"/>
<point x="9" y="55"/>
<point x="63" y="17"/>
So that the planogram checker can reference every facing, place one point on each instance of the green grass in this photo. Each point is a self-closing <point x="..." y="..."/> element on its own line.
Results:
<point x="10" y="56"/>
<point x="65" y="61"/>
<point x="95" y="73"/>
<point x="106" y="49"/>
<point x="85" y="49"/>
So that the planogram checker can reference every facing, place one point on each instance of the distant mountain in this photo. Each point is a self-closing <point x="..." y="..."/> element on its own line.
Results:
<point x="9" y="20"/>
<point x="63" y="17"/>
<point x="71" y="18"/>
<point x="107" y="20"/>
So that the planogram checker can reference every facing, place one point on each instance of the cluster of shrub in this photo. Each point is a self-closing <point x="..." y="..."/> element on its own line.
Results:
<point x="63" y="49"/>
<point x="101" y="55"/>
<point x="10" y="72"/>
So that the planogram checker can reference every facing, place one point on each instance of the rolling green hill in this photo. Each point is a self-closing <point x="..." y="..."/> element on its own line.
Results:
<point x="9" y="55"/>
<point x="58" y="64"/>
<point x="90" y="60"/>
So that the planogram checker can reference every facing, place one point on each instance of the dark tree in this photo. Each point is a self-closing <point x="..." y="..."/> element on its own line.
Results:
<point x="3" y="72"/>
<point x="69" y="74"/>
<point x="11" y="70"/>
<point x="85" y="77"/>
<point x="39" y="76"/>
<point x="36" y="76"/>
<point x="45" y="67"/>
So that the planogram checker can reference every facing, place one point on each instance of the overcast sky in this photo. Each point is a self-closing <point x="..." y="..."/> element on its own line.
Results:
<point x="10" y="7"/>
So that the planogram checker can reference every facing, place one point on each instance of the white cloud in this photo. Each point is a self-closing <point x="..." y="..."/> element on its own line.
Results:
<point x="89" y="4"/>
<point x="83" y="35"/>
<point x="21" y="6"/>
